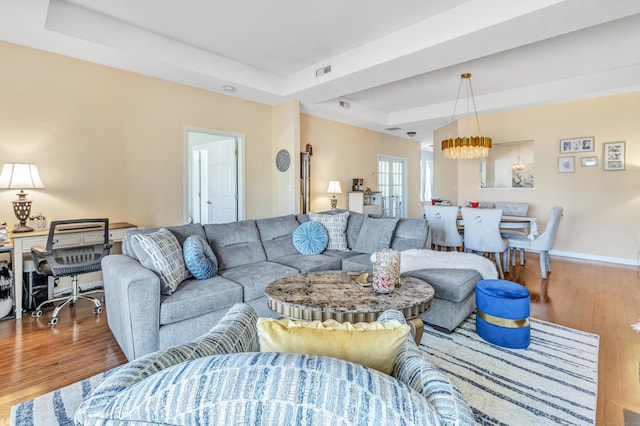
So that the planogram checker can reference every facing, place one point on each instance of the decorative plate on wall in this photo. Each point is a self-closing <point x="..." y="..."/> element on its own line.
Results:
<point x="283" y="160"/>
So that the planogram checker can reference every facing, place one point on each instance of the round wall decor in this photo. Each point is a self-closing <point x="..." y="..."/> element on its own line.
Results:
<point x="283" y="159"/>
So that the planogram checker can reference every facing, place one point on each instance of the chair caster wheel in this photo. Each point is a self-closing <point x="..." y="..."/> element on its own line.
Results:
<point x="53" y="321"/>
<point x="97" y="309"/>
<point x="36" y="314"/>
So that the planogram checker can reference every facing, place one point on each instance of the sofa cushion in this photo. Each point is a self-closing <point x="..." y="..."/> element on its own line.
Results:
<point x="235" y="243"/>
<point x="160" y="252"/>
<point x="410" y="233"/>
<point x="353" y="228"/>
<point x="199" y="257"/>
<point x="312" y="263"/>
<point x="374" y="344"/>
<point x="275" y="234"/>
<point x="336" y="225"/>
<point x="310" y="238"/>
<point x="194" y="298"/>
<point x="358" y="262"/>
<point x="449" y="284"/>
<point x="254" y="277"/>
<point x="375" y="234"/>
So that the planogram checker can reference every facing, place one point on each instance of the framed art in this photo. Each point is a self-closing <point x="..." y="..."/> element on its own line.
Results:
<point x="614" y="156"/>
<point x="566" y="164"/>
<point x="589" y="161"/>
<point x="583" y="144"/>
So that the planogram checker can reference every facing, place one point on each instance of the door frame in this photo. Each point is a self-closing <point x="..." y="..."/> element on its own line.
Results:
<point x="404" y="211"/>
<point x="240" y="169"/>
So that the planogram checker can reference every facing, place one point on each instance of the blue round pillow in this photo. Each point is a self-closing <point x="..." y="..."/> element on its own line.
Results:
<point x="310" y="238"/>
<point x="199" y="258"/>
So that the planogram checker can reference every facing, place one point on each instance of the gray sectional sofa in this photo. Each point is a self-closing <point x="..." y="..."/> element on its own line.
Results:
<point x="250" y="255"/>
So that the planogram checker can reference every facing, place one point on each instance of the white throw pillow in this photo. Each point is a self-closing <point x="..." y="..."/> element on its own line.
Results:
<point x="336" y="226"/>
<point x="163" y="255"/>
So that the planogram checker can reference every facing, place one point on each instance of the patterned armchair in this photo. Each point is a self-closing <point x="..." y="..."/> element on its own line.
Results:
<point x="188" y="384"/>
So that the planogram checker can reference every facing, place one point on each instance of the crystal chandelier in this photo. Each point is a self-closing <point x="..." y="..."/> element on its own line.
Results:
<point x="468" y="147"/>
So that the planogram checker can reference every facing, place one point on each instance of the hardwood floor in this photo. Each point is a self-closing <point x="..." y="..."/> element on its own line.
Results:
<point x="595" y="297"/>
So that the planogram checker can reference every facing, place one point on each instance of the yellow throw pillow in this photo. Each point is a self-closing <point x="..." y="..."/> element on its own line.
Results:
<point x="374" y="344"/>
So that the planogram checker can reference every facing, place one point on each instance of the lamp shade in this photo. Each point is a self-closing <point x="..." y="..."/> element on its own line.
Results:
<point x="334" y="187"/>
<point x="20" y="176"/>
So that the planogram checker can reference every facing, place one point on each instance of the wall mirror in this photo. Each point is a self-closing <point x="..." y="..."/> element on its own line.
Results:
<point x="509" y="165"/>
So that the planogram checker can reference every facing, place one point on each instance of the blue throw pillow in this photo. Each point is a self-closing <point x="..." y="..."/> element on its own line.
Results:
<point x="310" y="238"/>
<point x="199" y="258"/>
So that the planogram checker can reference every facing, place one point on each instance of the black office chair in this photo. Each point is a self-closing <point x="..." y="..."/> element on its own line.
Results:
<point x="80" y="253"/>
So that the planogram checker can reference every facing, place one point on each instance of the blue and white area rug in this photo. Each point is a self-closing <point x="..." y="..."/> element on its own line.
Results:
<point x="554" y="381"/>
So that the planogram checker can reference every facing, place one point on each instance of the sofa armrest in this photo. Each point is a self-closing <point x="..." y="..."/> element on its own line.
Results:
<point x="132" y="296"/>
<point x="236" y="332"/>
<point x="415" y="370"/>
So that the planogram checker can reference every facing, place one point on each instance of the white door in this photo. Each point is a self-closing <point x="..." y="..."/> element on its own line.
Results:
<point x="392" y="182"/>
<point x="213" y="178"/>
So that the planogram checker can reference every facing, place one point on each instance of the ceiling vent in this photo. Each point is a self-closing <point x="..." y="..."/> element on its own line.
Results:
<point x="344" y="104"/>
<point x="322" y="71"/>
<point x="393" y="129"/>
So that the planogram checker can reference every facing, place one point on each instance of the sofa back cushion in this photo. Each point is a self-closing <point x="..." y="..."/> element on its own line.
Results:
<point x="235" y="243"/>
<point x="410" y="234"/>
<point x="276" y="234"/>
<point x="375" y="234"/>
<point x="353" y="228"/>
<point x="130" y="246"/>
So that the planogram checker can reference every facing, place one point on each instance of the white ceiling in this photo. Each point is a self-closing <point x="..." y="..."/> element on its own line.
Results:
<point x="397" y="64"/>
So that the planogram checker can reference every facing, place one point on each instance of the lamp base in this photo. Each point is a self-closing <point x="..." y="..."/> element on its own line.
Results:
<point x="22" y="209"/>
<point x="22" y="228"/>
<point x="334" y="202"/>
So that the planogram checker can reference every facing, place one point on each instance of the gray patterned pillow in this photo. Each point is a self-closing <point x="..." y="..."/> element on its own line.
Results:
<point x="160" y="252"/>
<point x="336" y="226"/>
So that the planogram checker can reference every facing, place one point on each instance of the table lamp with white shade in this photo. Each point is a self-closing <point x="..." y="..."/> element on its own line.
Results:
<point x="21" y="176"/>
<point x="334" y="188"/>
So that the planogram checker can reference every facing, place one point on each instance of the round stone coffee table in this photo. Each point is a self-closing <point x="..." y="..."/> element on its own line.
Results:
<point x="336" y="295"/>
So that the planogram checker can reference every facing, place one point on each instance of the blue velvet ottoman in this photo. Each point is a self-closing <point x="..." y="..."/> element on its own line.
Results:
<point x="503" y="313"/>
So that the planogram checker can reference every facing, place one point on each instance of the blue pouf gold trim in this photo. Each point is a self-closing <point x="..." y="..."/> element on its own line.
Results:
<point x="503" y="313"/>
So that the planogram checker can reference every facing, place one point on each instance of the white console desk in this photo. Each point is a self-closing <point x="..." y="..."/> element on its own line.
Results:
<point x="23" y="241"/>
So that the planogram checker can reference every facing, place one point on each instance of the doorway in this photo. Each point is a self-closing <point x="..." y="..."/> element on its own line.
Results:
<point x="392" y="183"/>
<point x="215" y="189"/>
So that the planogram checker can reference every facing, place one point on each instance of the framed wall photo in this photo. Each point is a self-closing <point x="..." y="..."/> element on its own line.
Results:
<point x="614" y="156"/>
<point x="566" y="165"/>
<point x="583" y="144"/>
<point x="589" y="161"/>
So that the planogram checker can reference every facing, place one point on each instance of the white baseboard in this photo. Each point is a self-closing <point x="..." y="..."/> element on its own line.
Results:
<point x="595" y="258"/>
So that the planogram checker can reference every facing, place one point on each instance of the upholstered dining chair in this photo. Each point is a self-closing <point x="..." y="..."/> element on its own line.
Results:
<point x="482" y="234"/>
<point x="442" y="224"/>
<point x="63" y="257"/>
<point x="541" y="244"/>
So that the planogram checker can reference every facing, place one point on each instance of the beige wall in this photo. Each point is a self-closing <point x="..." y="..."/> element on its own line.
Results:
<point x="111" y="143"/>
<point x="343" y="152"/>
<point x="286" y="135"/>
<point x="600" y="207"/>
